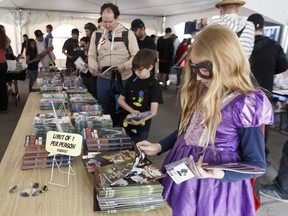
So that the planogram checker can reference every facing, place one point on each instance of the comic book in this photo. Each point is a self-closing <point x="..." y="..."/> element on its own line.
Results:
<point x="139" y="116"/>
<point x="185" y="169"/>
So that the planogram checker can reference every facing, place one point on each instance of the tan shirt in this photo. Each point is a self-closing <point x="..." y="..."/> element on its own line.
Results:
<point x="113" y="53"/>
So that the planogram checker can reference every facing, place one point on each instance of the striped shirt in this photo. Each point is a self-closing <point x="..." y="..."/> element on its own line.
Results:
<point x="237" y="23"/>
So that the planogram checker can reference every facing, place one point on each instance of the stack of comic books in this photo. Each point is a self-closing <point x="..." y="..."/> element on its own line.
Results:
<point x="73" y="84"/>
<point x="125" y="182"/>
<point x="85" y="107"/>
<point x="92" y="119"/>
<point x="106" y="139"/>
<point x="84" y="98"/>
<point x="35" y="155"/>
<point x="47" y="122"/>
<point x="51" y="84"/>
<point x="57" y="98"/>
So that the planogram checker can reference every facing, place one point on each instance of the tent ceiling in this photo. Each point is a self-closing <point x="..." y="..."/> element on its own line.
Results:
<point x="273" y="11"/>
<point x="128" y="7"/>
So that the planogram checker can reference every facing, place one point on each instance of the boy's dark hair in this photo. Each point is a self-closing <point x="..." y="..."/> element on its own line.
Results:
<point x="49" y="27"/>
<point x="25" y="35"/>
<point x="113" y="7"/>
<point x="144" y="58"/>
<point x="85" y="39"/>
<point x="99" y="20"/>
<point x="168" y="30"/>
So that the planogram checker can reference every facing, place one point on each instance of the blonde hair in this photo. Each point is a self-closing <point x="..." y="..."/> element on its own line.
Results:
<point x="231" y="73"/>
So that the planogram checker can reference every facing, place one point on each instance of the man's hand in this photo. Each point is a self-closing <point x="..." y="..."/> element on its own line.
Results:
<point x="121" y="68"/>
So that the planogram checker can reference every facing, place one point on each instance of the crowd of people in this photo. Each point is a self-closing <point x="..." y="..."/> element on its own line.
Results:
<point x="220" y="121"/>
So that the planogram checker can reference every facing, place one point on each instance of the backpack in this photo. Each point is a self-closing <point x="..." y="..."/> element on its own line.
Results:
<point x="240" y="32"/>
<point x="124" y="37"/>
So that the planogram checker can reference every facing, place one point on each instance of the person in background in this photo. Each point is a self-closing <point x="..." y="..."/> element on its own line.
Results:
<point x="180" y="60"/>
<point x="88" y="80"/>
<point x="49" y="37"/>
<point x="267" y="59"/>
<point x="9" y="55"/>
<point x="144" y="41"/>
<point x="89" y="29"/>
<point x="175" y="40"/>
<point x="4" y="44"/>
<point x="110" y="49"/>
<point x="71" y="49"/>
<point x="221" y="122"/>
<point x="24" y="43"/>
<point x="32" y="60"/>
<point x="165" y="50"/>
<point x="154" y="38"/>
<point x="99" y="21"/>
<point x="141" y="93"/>
<point x="42" y="50"/>
<point x="228" y="17"/>
<point x="49" y="43"/>
<point x="278" y="190"/>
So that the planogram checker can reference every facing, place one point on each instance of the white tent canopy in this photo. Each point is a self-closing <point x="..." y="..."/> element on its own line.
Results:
<point x="25" y="16"/>
<point x="275" y="10"/>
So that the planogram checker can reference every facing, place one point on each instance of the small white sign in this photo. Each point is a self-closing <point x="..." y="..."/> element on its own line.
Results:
<point x="63" y="143"/>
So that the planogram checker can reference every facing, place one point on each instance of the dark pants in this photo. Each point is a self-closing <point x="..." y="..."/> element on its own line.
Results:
<point x="3" y="87"/>
<point x="140" y="136"/>
<point x="281" y="179"/>
<point x="103" y="92"/>
<point x="91" y="84"/>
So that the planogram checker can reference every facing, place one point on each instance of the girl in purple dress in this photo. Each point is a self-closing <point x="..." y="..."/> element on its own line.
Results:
<point x="221" y="122"/>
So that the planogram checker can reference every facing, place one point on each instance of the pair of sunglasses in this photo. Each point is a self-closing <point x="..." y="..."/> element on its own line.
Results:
<point x="202" y="69"/>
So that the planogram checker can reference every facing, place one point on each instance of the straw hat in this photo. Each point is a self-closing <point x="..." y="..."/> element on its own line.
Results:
<point x="225" y="2"/>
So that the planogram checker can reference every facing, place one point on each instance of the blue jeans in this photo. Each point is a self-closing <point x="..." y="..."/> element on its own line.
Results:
<point x="103" y="92"/>
<point x="32" y="78"/>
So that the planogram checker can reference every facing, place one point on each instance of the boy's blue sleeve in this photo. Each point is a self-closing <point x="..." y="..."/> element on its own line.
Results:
<point x="168" y="142"/>
<point x="252" y="152"/>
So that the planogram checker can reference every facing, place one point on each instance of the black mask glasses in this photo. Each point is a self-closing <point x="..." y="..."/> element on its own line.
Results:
<point x="202" y="69"/>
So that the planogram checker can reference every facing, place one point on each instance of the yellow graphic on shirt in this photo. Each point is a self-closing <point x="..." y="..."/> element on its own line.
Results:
<point x="137" y="104"/>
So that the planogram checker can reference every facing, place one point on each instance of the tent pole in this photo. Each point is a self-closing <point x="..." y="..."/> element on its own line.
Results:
<point x="20" y="30"/>
<point x="163" y="24"/>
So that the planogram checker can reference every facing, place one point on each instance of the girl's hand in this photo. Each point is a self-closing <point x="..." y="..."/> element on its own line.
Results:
<point x="149" y="148"/>
<point x="215" y="173"/>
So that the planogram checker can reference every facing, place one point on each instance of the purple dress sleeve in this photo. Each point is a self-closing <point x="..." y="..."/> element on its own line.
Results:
<point x="252" y="110"/>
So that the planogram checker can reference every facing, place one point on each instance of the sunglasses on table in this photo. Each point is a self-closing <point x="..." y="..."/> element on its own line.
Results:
<point x="202" y="69"/>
